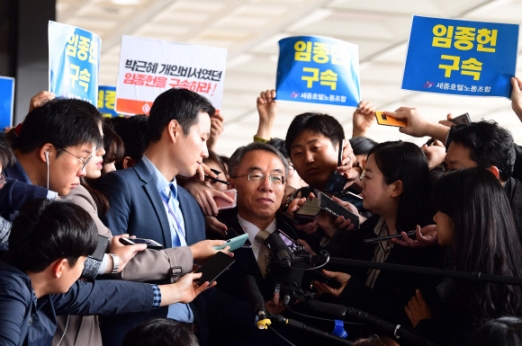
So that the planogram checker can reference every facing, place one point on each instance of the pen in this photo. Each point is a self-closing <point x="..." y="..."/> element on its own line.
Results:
<point x="216" y="179"/>
<point x="398" y="235"/>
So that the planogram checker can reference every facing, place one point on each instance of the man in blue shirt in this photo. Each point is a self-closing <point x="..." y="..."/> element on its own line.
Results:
<point x="48" y="245"/>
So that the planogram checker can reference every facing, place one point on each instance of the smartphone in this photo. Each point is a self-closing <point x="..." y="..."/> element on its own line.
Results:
<point x="340" y="156"/>
<point x="389" y="121"/>
<point x="234" y="243"/>
<point x="335" y="184"/>
<point x="461" y="119"/>
<point x="398" y="235"/>
<point x="214" y="267"/>
<point x="151" y="244"/>
<point x="308" y="211"/>
<point x="318" y="275"/>
<point x="101" y="248"/>
<point x="328" y="204"/>
<point x="224" y="204"/>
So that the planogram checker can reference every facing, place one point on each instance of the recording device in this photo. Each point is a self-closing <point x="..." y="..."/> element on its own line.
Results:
<point x="257" y="302"/>
<point x="224" y="204"/>
<point x="390" y="121"/>
<point x="308" y="211"/>
<point x="280" y="249"/>
<point x="101" y="248"/>
<point x="340" y="156"/>
<point x="328" y="204"/>
<point x="234" y="243"/>
<point x="151" y="244"/>
<point x="462" y="119"/>
<point x="398" y="235"/>
<point x="214" y="267"/>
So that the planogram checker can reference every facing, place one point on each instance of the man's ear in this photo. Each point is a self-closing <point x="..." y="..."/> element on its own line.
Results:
<point x="58" y="267"/>
<point x="495" y="171"/>
<point x="173" y="130"/>
<point x="396" y="188"/>
<point x="45" y="152"/>
<point x="128" y="162"/>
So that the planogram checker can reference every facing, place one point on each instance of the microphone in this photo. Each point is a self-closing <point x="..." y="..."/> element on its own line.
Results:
<point x="257" y="302"/>
<point x="279" y="248"/>
<point x="335" y="310"/>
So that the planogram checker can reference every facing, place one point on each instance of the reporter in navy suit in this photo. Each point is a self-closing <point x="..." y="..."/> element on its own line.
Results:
<point x="146" y="201"/>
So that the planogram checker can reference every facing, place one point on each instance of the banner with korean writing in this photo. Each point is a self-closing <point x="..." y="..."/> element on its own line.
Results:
<point x="318" y="70"/>
<point x="74" y="56"/>
<point x="6" y="102"/>
<point x="149" y="67"/>
<point x="461" y="57"/>
<point x="107" y="101"/>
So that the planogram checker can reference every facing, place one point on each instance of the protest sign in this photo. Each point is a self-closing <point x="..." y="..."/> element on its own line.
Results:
<point x="318" y="70"/>
<point x="74" y="56"/>
<point x="461" y="57"/>
<point x="149" y="67"/>
<point x="6" y="102"/>
<point x="107" y="101"/>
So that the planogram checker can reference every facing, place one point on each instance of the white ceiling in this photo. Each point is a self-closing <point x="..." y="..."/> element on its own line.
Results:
<point x="250" y="30"/>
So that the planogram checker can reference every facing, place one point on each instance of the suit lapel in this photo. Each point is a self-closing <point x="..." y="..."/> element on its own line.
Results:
<point x="244" y="256"/>
<point x="155" y="200"/>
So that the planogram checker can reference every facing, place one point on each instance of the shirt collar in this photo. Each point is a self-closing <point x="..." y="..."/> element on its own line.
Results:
<point x="159" y="179"/>
<point x="252" y="229"/>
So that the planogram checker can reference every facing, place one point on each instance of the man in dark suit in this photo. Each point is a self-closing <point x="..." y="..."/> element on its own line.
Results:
<point x="258" y="172"/>
<point x="146" y="201"/>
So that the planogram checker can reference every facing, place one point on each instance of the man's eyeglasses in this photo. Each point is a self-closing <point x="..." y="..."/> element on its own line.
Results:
<point x="255" y="177"/>
<point x="83" y="160"/>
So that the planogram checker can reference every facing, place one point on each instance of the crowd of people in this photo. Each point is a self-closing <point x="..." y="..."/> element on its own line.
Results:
<point x="73" y="184"/>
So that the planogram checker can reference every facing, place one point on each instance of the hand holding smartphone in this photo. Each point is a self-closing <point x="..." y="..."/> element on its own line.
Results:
<point x="389" y="121"/>
<point x="234" y="243"/>
<point x="223" y="203"/>
<point x="214" y="267"/>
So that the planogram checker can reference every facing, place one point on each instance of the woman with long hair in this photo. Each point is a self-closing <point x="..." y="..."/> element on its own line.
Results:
<point x="396" y="190"/>
<point x="474" y="218"/>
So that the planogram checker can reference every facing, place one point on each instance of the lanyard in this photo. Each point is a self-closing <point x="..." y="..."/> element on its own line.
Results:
<point x="171" y="212"/>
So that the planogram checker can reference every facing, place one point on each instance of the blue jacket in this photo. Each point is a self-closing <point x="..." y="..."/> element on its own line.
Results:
<point x="136" y="208"/>
<point x="25" y="320"/>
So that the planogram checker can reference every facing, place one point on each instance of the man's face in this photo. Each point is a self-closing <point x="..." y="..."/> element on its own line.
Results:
<point x="458" y="157"/>
<point x="314" y="157"/>
<point x="66" y="169"/>
<point x="191" y="148"/>
<point x="259" y="200"/>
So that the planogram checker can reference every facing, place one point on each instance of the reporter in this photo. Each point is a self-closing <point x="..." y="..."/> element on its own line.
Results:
<point x="474" y="218"/>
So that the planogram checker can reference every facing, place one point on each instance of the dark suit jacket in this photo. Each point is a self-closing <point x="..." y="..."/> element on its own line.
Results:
<point x="136" y="208"/>
<point x="231" y="319"/>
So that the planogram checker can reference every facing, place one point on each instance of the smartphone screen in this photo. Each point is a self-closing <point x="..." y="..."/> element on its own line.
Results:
<point x="214" y="267"/>
<point x="151" y="244"/>
<point x="340" y="157"/>
<point x="224" y="204"/>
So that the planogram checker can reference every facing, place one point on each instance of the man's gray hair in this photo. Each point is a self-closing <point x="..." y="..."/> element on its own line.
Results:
<point x="237" y="156"/>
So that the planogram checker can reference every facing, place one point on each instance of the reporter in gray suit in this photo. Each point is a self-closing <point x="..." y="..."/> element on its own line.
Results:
<point x="147" y="202"/>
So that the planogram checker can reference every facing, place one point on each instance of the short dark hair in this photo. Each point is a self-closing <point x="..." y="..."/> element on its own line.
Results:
<point x="160" y="332"/>
<point x="181" y="105"/>
<point x="362" y="145"/>
<point x="7" y="157"/>
<point x="405" y="161"/>
<point x="484" y="240"/>
<point x="61" y="122"/>
<point x="134" y="134"/>
<point x="279" y="144"/>
<point x="489" y="145"/>
<point x="323" y="124"/>
<point x="505" y="331"/>
<point x="237" y="156"/>
<point x="45" y="231"/>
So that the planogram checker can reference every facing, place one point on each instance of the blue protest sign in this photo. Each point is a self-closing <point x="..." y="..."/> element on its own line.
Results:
<point x="461" y="57"/>
<point x="6" y="102"/>
<point x="318" y="70"/>
<point x="74" y="56"/>
<point x="107" y="101"/>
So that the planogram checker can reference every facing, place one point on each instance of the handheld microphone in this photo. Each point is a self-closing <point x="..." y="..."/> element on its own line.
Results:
<point x="279" y="248"/>
<point x="257" y="302"/>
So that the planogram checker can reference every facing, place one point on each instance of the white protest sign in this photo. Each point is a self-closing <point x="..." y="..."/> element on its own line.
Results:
<point x="148" y="67"/>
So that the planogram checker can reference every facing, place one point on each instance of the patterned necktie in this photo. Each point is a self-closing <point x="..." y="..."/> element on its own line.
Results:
<point x="264" y="251"/>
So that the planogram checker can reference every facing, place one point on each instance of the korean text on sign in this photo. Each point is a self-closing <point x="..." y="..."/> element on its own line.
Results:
<point x="74" y="56"/>
<point x="461" y="57"/>
<point x="149" y="67"/>
<point x="318" y="70"/>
